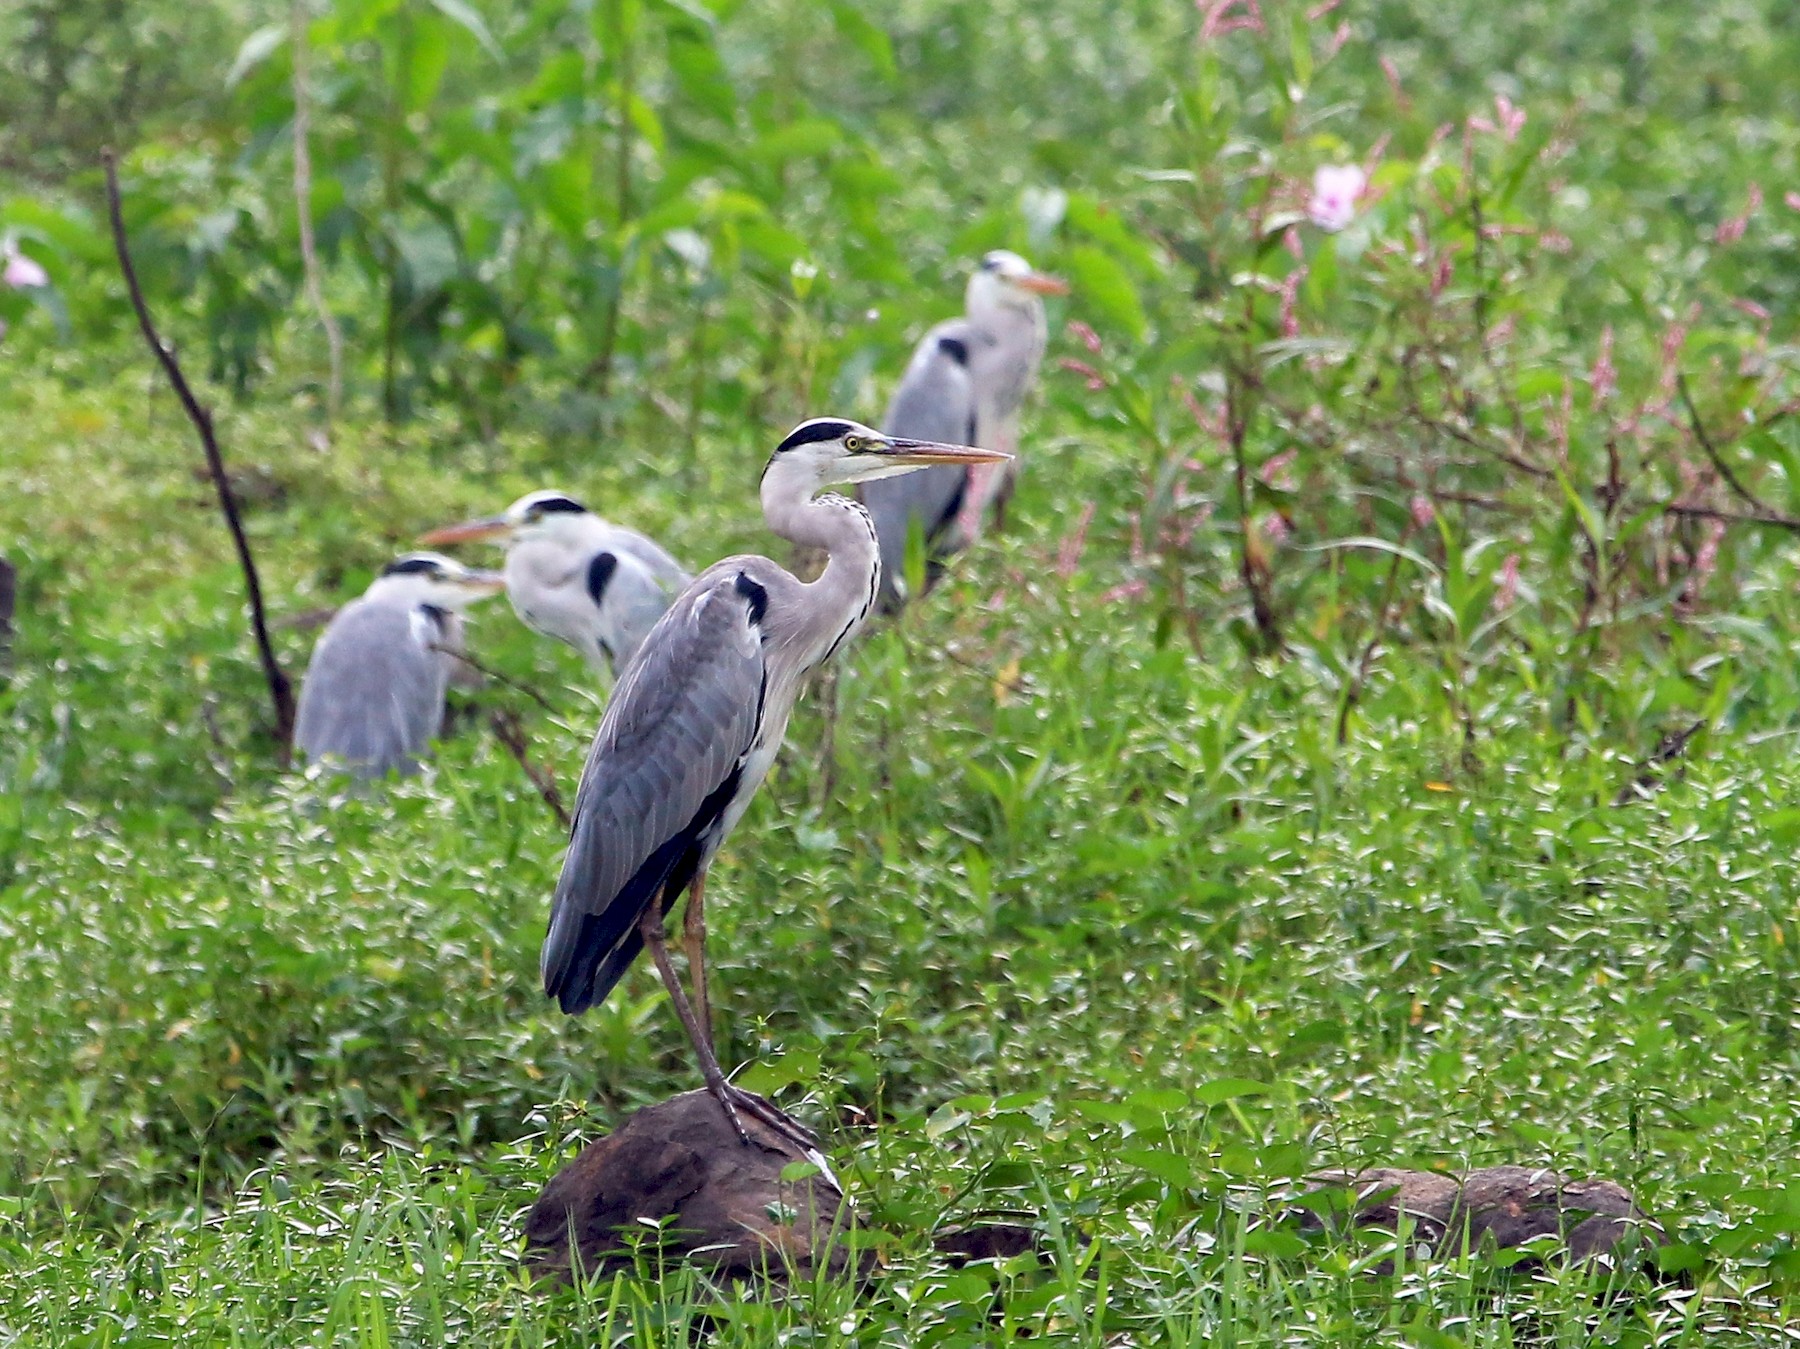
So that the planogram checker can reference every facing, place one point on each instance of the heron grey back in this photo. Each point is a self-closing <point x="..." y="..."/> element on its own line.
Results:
<point x="373" y="693"/>
<point x="658" y="780"/>
<point x="935" y="401"/>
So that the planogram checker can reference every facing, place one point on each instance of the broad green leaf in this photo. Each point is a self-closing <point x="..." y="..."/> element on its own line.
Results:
<point x="1103" y="288"/>
<point x="253" y="51"/>
<point x="459" y="13"/>
<point x="1228" y="1089"/>
<point x="870" y="40"/>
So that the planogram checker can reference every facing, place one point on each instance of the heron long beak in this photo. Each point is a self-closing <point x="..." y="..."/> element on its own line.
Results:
<point x="899" y="451"/>
<point x="481" y="584"/>
<point x="1042" y="283"/>
<point x="493" y="527"/>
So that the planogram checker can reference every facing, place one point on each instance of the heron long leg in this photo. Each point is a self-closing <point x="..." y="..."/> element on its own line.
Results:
<point x="731" y="1099"/>
<point x="693" y="927"/>
<point x="650" y="927"/>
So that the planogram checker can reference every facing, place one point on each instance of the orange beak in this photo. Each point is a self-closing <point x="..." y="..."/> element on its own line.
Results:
<point x="493" y="527"/>
<point x="1042" y="283"/>
<point x="901" y="451"/>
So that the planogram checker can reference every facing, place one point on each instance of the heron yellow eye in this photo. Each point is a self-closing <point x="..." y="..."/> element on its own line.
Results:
<point x="853" y="443"/>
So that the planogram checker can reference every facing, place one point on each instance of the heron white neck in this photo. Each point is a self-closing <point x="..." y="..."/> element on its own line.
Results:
<point x="846" y="589"/>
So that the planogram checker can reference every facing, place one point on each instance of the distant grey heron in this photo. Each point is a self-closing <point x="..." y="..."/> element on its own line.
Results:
<point x="966" y="382"/>
<point x="373" y="694"/>
<point x="571" y="575"/>
<point x="697" y="719"/>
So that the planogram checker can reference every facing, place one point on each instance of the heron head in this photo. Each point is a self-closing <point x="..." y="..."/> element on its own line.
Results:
<point x="545" y="514"/>
<point x="832" y="450"/>
<point x="1005" y="278"/>
<point x="436" y="579"/>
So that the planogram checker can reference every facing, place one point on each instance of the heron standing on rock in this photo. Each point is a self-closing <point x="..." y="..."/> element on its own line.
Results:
<point x="697" y="719"/>
<point x="570" y="575"/>
<point x="373" y="694"/>
<point x="967" y="381"/>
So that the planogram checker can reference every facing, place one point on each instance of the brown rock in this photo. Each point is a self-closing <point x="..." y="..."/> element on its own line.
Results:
<point x="1496" y="1208"/>
<point x="676" y="1174"/>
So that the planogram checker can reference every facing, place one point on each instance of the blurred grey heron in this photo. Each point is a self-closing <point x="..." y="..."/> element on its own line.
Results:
<point x="373" y="694"/>
<point x="571" y="575"/>
<point x="697" y="719"/>
<point x="966" y="382"/>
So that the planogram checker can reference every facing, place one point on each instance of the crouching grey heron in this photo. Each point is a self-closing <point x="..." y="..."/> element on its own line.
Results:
<point x="373" y="693"/>
<point x="697" y="719"/>
<point x="571" y="575"/>
<point x="966" y="382"/>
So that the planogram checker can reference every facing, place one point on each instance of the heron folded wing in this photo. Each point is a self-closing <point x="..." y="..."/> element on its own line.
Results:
<point x="935" y="401"/>
<point x="373" y="695"/>
<point x="663" y="769"/>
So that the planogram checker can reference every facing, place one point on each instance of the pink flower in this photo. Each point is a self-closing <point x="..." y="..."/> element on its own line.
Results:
<point x="1508" y="583"/>
<point x="1335" y="190"/>
<point x="1095" y="380"/>
<point x="1730" y="231"/>
<point x="1793" y="201"/>
<point x="1217" y="18"/>
<point x="1604" y="377"/>
<point x="1392" y="72"/>
<point x="1423" y="512"/>
<point x="1085" y="335"/>
<point x="1512" y="119"/>
<point x="21" y="272"/>
<point x="1068" y="553"/>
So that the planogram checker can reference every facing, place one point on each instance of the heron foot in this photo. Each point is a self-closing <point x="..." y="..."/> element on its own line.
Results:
<point x="722" y="1093"/>
<point x="784" y="1126"/>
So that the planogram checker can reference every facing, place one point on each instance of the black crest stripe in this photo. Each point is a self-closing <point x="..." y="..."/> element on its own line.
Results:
<point x="413" y="566"/>
<point x="552" y="505"/>
<point x="811" y="433"/>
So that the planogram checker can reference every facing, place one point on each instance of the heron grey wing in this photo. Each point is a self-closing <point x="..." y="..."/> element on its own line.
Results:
<point x="651" y="556"/>
<point x="659" y="775"/>
<point x="935" y="401"/>
<point x="373" y="693"/>
<point x="634" y="600"/>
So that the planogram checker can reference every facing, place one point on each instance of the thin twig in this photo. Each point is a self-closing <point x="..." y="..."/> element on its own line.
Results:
<point x="499" y="678"/>
<point x="1360" y="679"/>
<point x="9" y="594"/>
<point x="510" y="733"/>
<point x="1650" y="774"/>
<point x="1742" y="492"/>
<point x="1773" y="519"/>
<point x="1237" y="421"/>
<point x="309" y="254"/>
<point x="280" y="691"/>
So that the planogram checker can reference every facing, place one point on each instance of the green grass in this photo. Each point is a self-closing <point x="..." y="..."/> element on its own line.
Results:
<point x="1086" y="925"/>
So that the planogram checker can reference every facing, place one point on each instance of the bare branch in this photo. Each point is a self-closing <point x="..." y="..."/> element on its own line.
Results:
<point x="1712" y="451"/>
<point x="511" y="734"/>
<point x="1671" y="748"/>
<point x="498" y="678"/>
<point x="281" y="693"/>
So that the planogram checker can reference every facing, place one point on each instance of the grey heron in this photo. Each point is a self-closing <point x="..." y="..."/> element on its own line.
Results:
<point x="697" y="719"/>
<point x="966" y="382"/>
<point x="570" y="575"/>
<point x="373" y="693"/>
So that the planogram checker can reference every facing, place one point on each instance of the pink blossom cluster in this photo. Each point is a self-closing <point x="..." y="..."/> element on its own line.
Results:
<point x="1335" y="191"/>
<point x="20" y="272"/>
